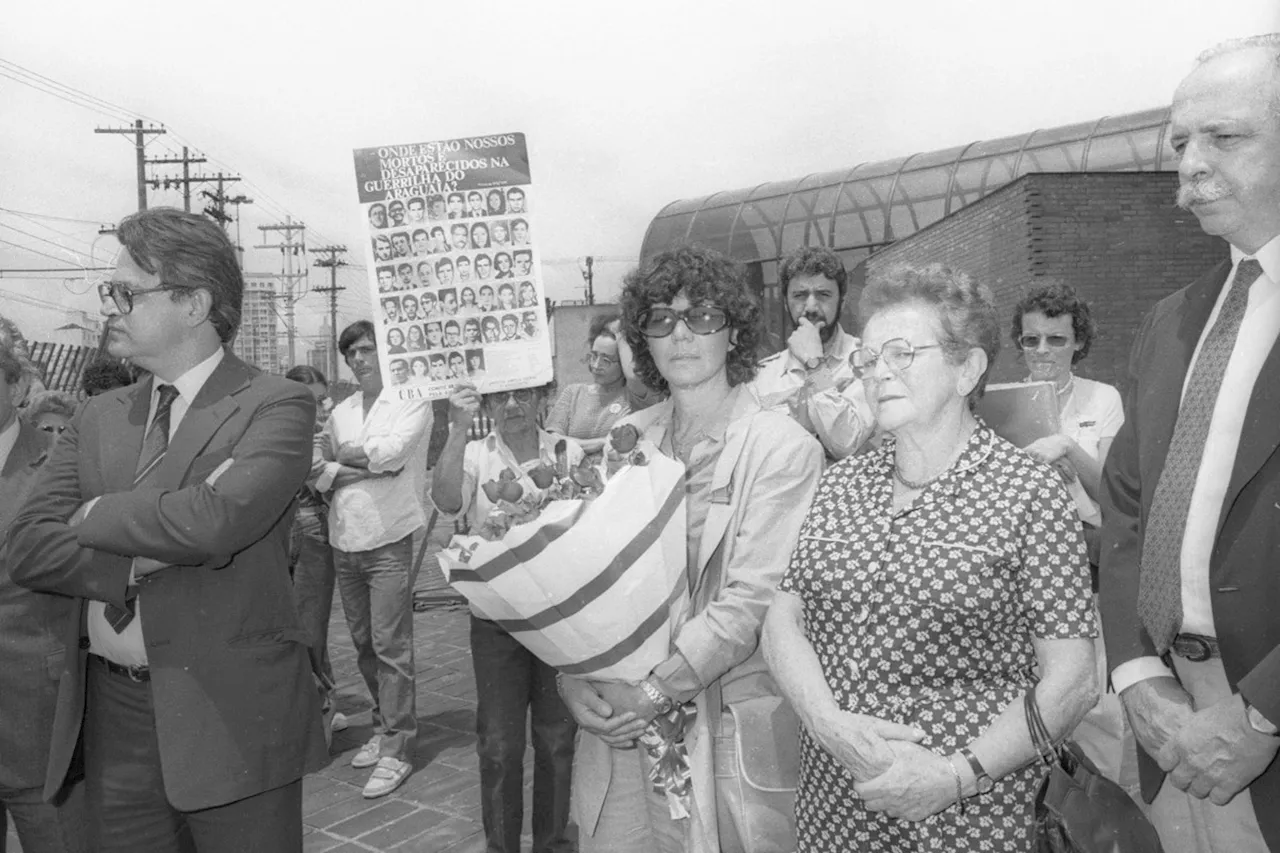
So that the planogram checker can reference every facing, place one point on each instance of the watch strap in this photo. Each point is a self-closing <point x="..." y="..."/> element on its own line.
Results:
<point x="661" y="701"/>
<point x="985" y="782"/>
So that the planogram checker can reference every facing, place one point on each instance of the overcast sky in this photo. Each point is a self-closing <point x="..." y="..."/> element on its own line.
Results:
<point x="626" y="107"/>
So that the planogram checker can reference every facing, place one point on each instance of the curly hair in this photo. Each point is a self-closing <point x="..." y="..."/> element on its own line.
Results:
<point x="600" y="324"/>
<point x="1054" y="300"/>
<point x="50" y="402"/>
<point x="703" y="276"/>
<point x="104" y="374"/>
<point x="966" y="309"/>
<point x="813" y="260"/>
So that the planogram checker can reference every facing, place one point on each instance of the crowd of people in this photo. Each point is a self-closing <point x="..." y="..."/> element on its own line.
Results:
<point x="876" y="580"/>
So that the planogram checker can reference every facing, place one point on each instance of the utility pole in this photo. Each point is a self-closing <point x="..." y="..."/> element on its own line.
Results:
<point x="185" y="181"/>
<point x="217" y="209"/>
<point x="140" y="144"/>
<point x="288" y="249"/>
<point x="332" y="262"/>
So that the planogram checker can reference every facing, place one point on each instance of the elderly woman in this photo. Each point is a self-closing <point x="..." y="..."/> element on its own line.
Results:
<point x="938" y="578"/>
<point x="586" y="411"/>
<point x="1053" y="329"/>
<point x="750" y="474"/>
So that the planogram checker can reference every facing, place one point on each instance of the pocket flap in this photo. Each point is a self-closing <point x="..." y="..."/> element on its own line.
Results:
<point x="767" y="734"/>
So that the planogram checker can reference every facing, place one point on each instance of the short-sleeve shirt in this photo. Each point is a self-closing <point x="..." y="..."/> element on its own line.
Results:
<point x="926" y="616"/>
<point x="1093" y="413"/>
<point x="585" y="410"/>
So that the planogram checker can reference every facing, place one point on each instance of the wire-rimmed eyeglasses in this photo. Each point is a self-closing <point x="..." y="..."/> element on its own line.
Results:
<point x="898" y="354"/>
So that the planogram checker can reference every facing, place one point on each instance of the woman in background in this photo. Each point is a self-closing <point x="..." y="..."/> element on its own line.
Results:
<point x="586" y="411"/>
<point x="311" y="559"/>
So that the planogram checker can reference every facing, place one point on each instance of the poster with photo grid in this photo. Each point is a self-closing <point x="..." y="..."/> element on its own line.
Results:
<point x="454" y="278"/>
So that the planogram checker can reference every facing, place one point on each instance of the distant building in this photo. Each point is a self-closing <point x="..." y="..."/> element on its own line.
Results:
<point x="79" y="328"/>
<point x="319" y="359"/>
<point x="257" y="342"/>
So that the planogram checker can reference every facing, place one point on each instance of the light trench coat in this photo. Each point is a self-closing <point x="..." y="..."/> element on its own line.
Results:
<point x="760" y="492"/>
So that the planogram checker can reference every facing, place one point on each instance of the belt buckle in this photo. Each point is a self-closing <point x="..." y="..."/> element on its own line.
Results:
<point x="1194" y="648"/>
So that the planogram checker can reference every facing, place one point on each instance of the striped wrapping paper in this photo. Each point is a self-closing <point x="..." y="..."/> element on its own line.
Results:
<point x="590" y="587"/>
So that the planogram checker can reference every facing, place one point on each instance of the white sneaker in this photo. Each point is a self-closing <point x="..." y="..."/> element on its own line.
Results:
<point x="387" y="776"/>
<point x="339" y="722"/>
<point x="368" y="754"/>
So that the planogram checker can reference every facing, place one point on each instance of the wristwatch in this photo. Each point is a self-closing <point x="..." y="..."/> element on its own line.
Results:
<point x="985" y="782"/>
<point x="1259" y="723"/>
<point x="662" y="703"/>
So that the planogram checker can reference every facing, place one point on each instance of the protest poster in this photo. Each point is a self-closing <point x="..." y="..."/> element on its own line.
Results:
<point x="454" y="279"/>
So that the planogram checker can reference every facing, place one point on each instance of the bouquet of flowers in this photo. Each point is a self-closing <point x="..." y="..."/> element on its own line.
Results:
<point x="587" y="568"/>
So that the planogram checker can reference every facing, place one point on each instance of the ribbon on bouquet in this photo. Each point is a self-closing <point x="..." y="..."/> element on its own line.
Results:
<point x="669" y="773"/>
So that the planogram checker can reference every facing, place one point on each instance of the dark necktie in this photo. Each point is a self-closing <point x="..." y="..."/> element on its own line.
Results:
<point x="1160" y="578"/>
<point x="154" y="445"/>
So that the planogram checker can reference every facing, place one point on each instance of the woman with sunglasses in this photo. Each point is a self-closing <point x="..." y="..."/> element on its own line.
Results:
<point x="938" y="578"/>
<point x="1053" y="330"/>
<point x="586" y="411"/>
<point x="50" y="411"/>
<point x="694" y="331"/>
<point x="511" y="684"/>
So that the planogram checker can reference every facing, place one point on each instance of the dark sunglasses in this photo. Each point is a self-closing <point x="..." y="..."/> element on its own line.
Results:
<point x="1033" y="341"/>
<point x="699" y="319"/>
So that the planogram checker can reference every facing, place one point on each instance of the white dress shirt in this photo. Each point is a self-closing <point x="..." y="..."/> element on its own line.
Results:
<point x="127" y="647"/>
<point x="1258" y="332"/>
<point x="395" y="436"/>
<point x="827" y="401"/>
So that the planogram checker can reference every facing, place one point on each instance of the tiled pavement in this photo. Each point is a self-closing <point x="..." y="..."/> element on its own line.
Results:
<point x="438" y="807"/>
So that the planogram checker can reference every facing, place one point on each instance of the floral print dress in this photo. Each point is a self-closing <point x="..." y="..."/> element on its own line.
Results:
<point x="925" y="616"/>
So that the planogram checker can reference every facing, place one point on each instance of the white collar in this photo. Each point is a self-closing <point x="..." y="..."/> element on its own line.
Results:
<point x="190" y="383"/>
<point x="1268" y="257"/>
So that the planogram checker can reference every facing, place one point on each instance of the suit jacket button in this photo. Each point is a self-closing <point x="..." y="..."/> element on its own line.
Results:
<point x="84" y="642"/>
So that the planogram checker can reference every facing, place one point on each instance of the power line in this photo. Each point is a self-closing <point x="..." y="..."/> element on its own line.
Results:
<point x="32" y="251"/>
<point x="49" y="215"/>
<point x="63" y="90"/>
<point x="53" y="243"/>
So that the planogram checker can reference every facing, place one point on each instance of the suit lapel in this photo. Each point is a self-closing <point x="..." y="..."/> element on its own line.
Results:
<point x="120" y="430"/>
<point x="214" y="403"/>
<point x="723" y="497"/>
<point x="28" y="454"/>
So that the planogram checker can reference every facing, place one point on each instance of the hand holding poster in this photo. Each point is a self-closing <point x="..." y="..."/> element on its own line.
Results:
<point x="456" y="289"/>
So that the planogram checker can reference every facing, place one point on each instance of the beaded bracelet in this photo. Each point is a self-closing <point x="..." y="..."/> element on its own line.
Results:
<point x="959" y="783"/>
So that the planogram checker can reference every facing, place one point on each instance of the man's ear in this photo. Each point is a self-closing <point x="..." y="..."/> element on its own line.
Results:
<point x="200" y="301"/>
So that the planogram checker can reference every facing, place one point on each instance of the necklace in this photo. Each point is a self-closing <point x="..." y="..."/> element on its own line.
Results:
<point x="1066" y="389"/>
<point x="917" y="485"/>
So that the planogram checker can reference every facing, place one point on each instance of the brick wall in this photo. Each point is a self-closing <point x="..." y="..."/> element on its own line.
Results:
<point x="1115" y="237"/>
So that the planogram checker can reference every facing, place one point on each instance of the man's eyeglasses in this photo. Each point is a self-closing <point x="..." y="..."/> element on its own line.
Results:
<point x="602" y="359"/>
<point x="1029" y="342"/>
<point x="122" y="293"/>
<point x="700" y="319"/>
<point x="898" y="353"/>
<point x="499" y="398"/>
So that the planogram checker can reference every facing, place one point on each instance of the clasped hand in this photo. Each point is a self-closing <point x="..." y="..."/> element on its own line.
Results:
<point x="1212" y="753"/>
<point x="616" y="713"/>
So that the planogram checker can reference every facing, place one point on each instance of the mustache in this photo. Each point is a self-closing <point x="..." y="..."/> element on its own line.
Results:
<point x="1201" y="192"/>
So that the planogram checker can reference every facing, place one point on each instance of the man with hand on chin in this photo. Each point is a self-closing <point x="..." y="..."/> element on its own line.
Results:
<point x="811" y="380"/>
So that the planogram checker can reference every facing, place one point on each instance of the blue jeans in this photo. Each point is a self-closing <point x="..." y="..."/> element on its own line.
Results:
<point x="377" y="598"/>
<point x="61" y="827"/>
<point x="511" y="683"/>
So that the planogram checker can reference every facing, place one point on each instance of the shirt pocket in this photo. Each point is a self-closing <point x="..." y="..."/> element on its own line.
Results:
<point x="964" y="589"/>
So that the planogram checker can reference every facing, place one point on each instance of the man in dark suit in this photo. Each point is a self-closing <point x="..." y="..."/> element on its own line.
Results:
<point x="165" y="511"/>
<point x="31" y="649"/>
<point x="1190" y="573"/>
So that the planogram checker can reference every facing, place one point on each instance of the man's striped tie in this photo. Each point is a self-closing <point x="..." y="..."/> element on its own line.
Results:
<point x="154" y="445"/>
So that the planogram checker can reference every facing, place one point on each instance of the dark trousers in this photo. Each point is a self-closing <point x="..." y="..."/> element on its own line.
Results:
<point x="511" y="683"/>
<point x="128" y="809"/>
<point x="58" y="827"/>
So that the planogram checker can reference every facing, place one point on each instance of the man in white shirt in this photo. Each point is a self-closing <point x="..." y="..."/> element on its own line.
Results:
<point x="371" y="454"/>
<point x="511" y="684"/>
<point x="1190" y="589"/>
<point x="164" y="512"/>
<point x="812" y="380"/>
